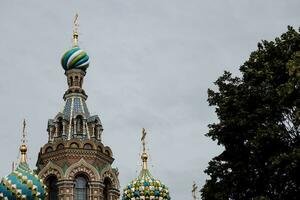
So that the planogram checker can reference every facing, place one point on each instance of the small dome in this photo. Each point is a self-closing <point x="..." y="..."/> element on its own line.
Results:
<point x="22" y="183"/>
<point x="146" y="187"/>
<point x="75" y="58"/>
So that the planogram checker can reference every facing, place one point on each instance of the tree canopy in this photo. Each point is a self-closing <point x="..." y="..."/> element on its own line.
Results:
<point x="259" y="118"/>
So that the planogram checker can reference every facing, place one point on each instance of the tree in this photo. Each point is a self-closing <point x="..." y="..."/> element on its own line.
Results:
<point x="259" y="118"/>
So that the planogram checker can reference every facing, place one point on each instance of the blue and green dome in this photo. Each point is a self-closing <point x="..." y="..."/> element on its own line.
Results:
<point x="22" y="183"/>
<point x="145" y="187"/>
<point x="75" y="58"/>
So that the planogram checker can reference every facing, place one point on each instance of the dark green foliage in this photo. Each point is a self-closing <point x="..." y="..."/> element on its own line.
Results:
<point x="259" y="118"/>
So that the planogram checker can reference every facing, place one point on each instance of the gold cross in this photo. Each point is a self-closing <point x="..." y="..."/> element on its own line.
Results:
<point x="76" y="23"/>
<point x="144" y="133"/>
<point x="24" y="134"/>
<point x="75" y="31"/>
<point x="195" y="187"/>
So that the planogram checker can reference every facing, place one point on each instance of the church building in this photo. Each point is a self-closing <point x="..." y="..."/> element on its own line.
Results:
<point x="75" y="164"/>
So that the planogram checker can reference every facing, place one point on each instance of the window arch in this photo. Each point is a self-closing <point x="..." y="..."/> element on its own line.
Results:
<point x="81" y="188"/>
<point x="51" y="183"/>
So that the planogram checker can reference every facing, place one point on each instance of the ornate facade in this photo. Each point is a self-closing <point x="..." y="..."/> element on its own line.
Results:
<point x="74" y="163"/>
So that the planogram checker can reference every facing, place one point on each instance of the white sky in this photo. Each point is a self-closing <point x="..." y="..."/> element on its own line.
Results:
<point x="151" y="65"/>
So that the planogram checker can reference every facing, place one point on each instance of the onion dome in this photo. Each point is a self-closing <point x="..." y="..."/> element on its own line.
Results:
<point x="22" y="183"/>
<point x="75" y="58"/>
<point x="145" y="186"/>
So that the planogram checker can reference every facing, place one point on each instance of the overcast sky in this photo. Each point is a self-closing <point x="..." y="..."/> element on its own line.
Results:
<point x="151" y="63"/>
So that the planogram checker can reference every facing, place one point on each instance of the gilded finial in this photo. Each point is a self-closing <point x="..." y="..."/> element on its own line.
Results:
<point x="144" y="154"/>
<point x="75" y="31"/>
<point x="23" y="147"/>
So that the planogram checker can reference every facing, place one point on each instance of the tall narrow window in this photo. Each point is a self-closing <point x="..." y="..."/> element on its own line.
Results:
<point x="81" y="188"/>
<point x="107" y="186"/>
<point x="79" y="122"/>
<point x="52" y="188"/>
<point x="59" y="127"/>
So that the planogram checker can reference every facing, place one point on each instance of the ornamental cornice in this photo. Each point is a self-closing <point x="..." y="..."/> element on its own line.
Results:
<point x="75" y="154"/>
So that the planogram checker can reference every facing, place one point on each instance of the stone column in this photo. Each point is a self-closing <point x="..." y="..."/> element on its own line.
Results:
<point x="83" y="127"/>
<point x="56" y="130"/>
<point x="95" y="190"/>
<point x="93" y="130"/>
<point x="51" y="134"/>
<point x="97" y="132"/>
<point x="75" y="127"/>
<point x="66" y="190"/>
<point x="114" y="194"/>
<point x="64" y="128"/>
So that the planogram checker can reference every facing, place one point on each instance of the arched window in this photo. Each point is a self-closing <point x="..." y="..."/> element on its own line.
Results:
<point x="107" y="186"/>
<point x="79" y="123"/>
<point x="87" y="146"/>
<point x="107" y="152"/>
<point x="59" y="127"/>
<point x="51" y="183"/>
<point x="81" y="188"/>
<point x="76" y="81"/>
<point x="74" y="145"/>
<point x="60" y="146"/>
<point x="49" y="149"/>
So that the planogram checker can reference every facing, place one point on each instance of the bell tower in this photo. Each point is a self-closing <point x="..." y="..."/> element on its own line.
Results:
<point x="74" y="163"/>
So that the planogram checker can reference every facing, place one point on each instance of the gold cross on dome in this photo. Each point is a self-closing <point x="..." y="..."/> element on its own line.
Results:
<point x="24" y="134"/>
<point x="144" y="133"/>
<point x="75" y="30"/>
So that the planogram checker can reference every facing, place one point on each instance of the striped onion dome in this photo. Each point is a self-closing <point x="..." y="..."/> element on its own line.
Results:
<point x="75" y="58"/>
<point x="22" y="183"/>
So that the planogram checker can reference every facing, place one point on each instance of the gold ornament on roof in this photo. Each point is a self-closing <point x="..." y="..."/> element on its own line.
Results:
<point x="75" y="31"/>
<point x="23" y="147"/>
<point x="144" y="156"/>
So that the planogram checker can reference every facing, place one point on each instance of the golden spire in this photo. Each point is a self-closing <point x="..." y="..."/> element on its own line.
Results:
<point x="75" y="31"/>
<point x="23" y="147"/>
<point x="144" y="154"/>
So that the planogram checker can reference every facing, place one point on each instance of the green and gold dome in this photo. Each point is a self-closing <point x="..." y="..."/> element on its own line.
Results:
<point x="145" y="186"/>
<point x="22" y="183"/>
